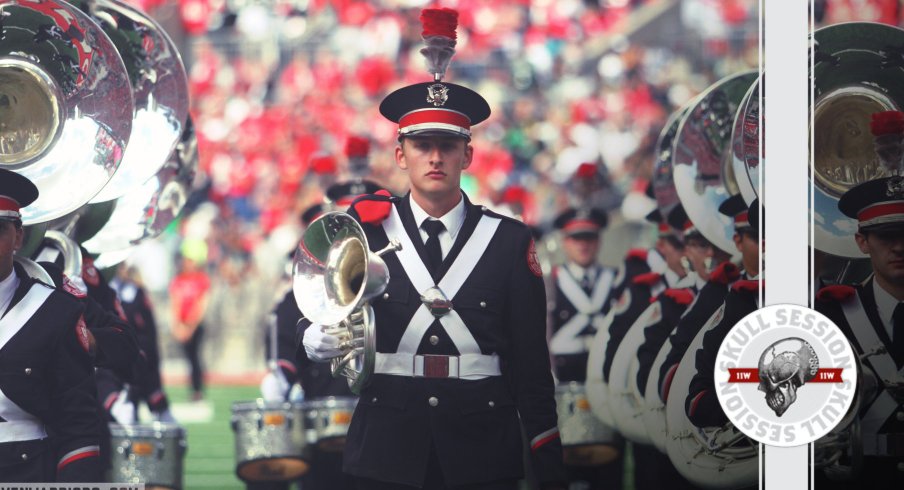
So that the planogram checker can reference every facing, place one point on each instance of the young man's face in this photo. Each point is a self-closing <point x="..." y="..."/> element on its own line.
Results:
<point x="697" y="250"/>
<point x="749" y="247"/>
<point x="434" y="163"/>
<point x="582" y="249"/>
<point x="10" y="241"/>
<point x="886" y="252"/>
<point x="671" y="251"/>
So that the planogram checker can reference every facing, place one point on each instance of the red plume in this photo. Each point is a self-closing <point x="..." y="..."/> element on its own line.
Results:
<point x="585" y="171"/>
<point x="439" y="22"/>
<point x="887" y="122"/>
<point x="357" y="146"/>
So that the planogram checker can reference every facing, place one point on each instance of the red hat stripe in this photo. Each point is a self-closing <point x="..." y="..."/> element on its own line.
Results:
<point x="741" y="219"/>
<point x="434" y="118"/>
<point x="881" y="212"/>
<point x="582" y="224"/>
<point x="664" y="228"/>
<point x="9" y="207"/>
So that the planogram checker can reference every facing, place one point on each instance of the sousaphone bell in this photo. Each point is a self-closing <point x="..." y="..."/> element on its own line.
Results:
<point x="334" y="276"/>
<point x="65" y="104"/>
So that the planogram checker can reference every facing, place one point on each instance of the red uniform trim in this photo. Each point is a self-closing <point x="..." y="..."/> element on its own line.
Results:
<point x="835" y="293"/>
<point x="441" y="116"/>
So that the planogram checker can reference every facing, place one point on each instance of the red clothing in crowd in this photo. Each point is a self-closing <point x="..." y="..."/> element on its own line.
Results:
<point x="186" y="290"/>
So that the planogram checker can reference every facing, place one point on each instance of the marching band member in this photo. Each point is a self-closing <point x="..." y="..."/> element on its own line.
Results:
<point x="712" y="294"/>
<point x="48" y="388"/>
<point x="870" y="316"/>
<point x="581" y="290"/>
<point x="452" y="387"/>
<point x="702" y="404"/>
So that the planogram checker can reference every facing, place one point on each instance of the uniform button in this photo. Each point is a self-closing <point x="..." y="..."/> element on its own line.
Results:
<point x="483" y="304"/>
<point x="563" y="315"/>
<point x="24" y="457"/>
<point x="483" y="208"/>
<point x="433" y="401"/>
<point x="385" y="295"/>
<point x="491" y="404"/>
<point x="900" y="416"/>
<point x="28" y="371"/>
<point x="374" y="400"/>
<point x="434" y="340"/>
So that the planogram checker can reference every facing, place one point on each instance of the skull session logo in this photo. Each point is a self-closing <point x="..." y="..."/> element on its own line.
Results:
<point x="785" y="375"/>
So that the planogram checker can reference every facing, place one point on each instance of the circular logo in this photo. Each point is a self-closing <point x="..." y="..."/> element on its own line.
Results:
<point x="785" y="375"/>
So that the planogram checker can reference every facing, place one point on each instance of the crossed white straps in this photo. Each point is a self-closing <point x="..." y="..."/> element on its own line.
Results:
<point x="567" y="339"/>
<point x="20" y="425"/>
<point x="879" y="411"/>
<point x="471" y="364"/>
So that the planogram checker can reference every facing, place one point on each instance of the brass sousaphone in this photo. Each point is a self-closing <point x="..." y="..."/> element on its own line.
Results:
<point x="65" y="104"/>
<point x="334" y="275"/>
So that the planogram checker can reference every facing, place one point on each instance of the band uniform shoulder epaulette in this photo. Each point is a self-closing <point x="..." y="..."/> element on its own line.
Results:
<point x="639" y="254"/>
<point x="835" y="293"/>
<point x="647" y="279"/>
<point x="746" y="286"/>
<point x="373" y="208"/>
<point x="681" y="296"/>
<point x="725" y="273"/>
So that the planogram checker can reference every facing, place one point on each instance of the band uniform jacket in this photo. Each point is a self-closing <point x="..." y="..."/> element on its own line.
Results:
<point x="634" y="299"/>
<point x="674" y="302"/>
<point x="315" y="378"/>
<point x="473" y="424"/>
<point x="710" y="297"/>
<point x="702" y="403"/>
<point x="137" y="306"/>
<point x="881" y="408"/>
<point x="47" y="384"/>
<point x="572" y="326"/>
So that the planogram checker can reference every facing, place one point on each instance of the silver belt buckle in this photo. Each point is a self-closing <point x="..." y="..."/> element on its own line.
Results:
<point x="436" y="301"/>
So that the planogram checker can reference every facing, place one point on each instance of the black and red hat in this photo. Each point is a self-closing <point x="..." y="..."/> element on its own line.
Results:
<point x="16" y="192"/>
<point x="436" y="107"/>
<point x="679" y="220"/>
<point x="579" y="223"/>
<point x="876" y="204"/>
<point x="735" y="208"/>
<point x="343" y="193"/>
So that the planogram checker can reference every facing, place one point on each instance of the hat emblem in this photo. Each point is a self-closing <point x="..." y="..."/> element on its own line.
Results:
<point x="895" y="187"/>
<point x="437" y="94"/>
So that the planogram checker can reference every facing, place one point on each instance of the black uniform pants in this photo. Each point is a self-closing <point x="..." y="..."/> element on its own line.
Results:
<point x="192" y="350"/>
<point x="434" y="481"/>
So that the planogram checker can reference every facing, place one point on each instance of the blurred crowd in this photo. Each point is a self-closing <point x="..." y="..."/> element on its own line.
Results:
<point x="278" y="87"/>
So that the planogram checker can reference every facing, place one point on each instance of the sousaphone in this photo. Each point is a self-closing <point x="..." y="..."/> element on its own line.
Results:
<point x="334" y="275"/>
<point x="159" y="90"/>
<point x="147" y="210"/>
<point x="857" y="71"/>
<point x="699" y="157"/>
<point x="65" y="104"/>
<point x="710" y="457"/>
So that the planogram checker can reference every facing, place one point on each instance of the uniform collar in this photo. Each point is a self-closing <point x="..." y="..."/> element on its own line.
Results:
<point x="8" y="289"/>
<point x="885" y="303"/>
<point x="578" y="272"/>
<point x="451" y="220"/>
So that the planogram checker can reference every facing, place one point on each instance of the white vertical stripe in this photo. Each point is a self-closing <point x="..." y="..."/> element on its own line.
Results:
<point x="786" y="96"/>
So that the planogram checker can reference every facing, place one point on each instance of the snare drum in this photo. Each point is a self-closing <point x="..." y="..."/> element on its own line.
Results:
<point x="269" y="441"/>
<point x="327" y="421"/>
<point x="152" y="454"/>
<point x="586" y="440"/>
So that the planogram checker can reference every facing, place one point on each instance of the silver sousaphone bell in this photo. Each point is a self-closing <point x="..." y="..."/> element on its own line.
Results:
<point x="159" y="90"/>
<point x="699" y="158"/>
<point x="858" y="69"/>
<point x="65" y="104"/>
<point x="334" y="275"/>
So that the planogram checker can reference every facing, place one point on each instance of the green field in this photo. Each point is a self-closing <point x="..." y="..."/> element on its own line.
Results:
<point x="210" y="461"/>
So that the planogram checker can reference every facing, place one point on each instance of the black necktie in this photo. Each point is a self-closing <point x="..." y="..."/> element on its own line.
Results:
<point x="897" y="335"/>
<point x="434" y="252"/>
<point x="586" y="283"/>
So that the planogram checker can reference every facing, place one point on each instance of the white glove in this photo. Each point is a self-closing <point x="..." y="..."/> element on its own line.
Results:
<point x="320" y="346"/>
<point x="164" y="416"/>
<point x="122" y="410"/>
<point x="274" y="386"/>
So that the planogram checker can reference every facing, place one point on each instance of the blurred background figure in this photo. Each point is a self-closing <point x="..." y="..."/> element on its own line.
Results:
<point x="189" y="293"/>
